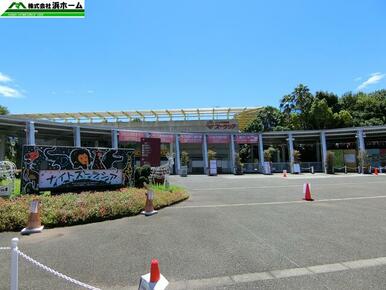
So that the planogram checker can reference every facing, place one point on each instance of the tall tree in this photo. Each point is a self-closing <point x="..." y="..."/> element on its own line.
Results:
<point x="267" y="119"/>
<point x="298" y="103"/>
<point x="3" y="110"/>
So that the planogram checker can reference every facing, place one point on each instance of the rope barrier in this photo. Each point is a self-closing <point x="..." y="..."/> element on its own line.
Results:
<point x="5" y="248"/>
<point x="56" y="273"/>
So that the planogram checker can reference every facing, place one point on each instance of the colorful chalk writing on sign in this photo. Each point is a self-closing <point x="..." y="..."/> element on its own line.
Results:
<point x="61" y="168"/>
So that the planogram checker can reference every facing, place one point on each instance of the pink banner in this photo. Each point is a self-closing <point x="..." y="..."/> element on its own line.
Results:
<point x="131" y="136"/>
<point x="165" y="138"/>
<point x="246" y="139"/>
<point x="218" y="139"/>
<point x="191" y="138"/>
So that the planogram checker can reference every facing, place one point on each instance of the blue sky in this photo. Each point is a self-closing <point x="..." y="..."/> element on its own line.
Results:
<point x="128" y="55"/>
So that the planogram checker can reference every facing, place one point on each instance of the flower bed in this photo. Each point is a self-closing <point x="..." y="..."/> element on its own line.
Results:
<point x="86" y="207"/>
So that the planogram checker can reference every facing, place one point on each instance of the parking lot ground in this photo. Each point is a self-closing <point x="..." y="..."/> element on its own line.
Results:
<point x="235" y="232"/>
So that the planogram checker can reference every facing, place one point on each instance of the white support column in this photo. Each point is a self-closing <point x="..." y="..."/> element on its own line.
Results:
<point x="77" y="142"/>
<point x="291" y="151"/>
<point x="205" y="153"/>
<point x="114" y="138"/>
<point x="178" y="160"/>
<point x="323" y="145"/>
<point x="232" y="152"/>
<point x="30" y="129"/>
<point x="361" y="140"/>
<point x="261" y="150"/>
<point x="14" y="265"/>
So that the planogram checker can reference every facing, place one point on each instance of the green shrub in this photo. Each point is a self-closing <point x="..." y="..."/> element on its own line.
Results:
<point x="141" y="175"/>
<point x="71" y="209"/>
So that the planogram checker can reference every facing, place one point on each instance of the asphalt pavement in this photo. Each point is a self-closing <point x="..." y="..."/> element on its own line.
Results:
<point x="235" y="232"/>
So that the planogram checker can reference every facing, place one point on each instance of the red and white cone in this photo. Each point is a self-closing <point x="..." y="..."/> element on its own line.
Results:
<point x="153" y="280"/>
<point x="307" y="192"/>
<point x="149" y="208"/>
<point x="34" y="224"/>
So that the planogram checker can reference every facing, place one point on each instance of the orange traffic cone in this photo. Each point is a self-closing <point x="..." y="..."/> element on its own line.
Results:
<point x="149" y="208"/>
<point x="284" y="173"/>
<point x="376" y="171"/>
<point x="154" y="279"/>
<point x="307" y="192"/>
<point x="34" y="224"/>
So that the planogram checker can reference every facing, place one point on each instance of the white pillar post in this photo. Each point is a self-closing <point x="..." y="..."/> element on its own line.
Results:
<point x="361" y="140"/>
<point x="232" y="153"/>
<point x="14" y="265"/>
<point x="178" y="160"/>
<point x="291" y="151"/>
<point x="114" y="138"/>
<point x="30" y="129"/>
<point x="261" y="151"/>
<point x="323" y="144"/>
<point x="205" y="153"/>
<point x="77" y="142"/>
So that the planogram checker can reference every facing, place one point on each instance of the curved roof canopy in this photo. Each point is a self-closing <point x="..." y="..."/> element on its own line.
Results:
<point x="145" y="115"/>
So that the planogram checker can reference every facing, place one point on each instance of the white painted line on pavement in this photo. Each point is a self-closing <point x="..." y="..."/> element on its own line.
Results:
<point x="284" y="186"/>
<point x="277" y="202"/>
<point x="275" y="274"/>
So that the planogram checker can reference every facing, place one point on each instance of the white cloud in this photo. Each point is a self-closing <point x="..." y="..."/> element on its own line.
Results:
<point x="9" y="92"/>
<point x="4" y="78"/>
<point x="373" y="79"/>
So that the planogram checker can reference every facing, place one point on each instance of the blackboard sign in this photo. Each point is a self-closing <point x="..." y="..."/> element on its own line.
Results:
<point x="59" y="168"/>
<point x="151" y="151"/>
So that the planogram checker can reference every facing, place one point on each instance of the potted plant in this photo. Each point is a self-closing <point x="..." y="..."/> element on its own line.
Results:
<point x="268" y="153"/>
<point x="330" y="160"/>
<point x="238" y="170"/>
<point x="296" y="165"/>
<point x="212" y="162"/>
<point x="184" y="164"/>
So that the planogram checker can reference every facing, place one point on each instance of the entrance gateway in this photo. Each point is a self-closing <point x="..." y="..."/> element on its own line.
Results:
<point x="199" y="132"/>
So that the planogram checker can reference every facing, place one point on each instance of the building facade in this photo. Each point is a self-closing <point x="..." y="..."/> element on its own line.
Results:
<point x="197" y="132"/>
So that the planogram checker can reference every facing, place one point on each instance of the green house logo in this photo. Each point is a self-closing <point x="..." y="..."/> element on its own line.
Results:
<point x="17" y="5"/>
<point x="44" y="8"/>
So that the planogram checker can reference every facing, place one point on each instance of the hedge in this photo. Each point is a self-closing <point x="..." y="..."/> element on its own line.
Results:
<point x="86" y="207"/>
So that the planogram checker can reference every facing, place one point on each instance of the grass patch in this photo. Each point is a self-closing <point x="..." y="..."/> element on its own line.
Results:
<point x="16" y="187"/>
<point x="86" y="207"/>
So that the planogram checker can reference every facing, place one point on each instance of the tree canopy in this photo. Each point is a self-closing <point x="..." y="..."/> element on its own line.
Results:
<point x="3" y="110"/>
<point x="302" y="110"/>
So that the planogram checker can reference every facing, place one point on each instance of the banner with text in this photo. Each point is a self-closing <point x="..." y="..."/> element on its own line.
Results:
<point x="42" y="9"/>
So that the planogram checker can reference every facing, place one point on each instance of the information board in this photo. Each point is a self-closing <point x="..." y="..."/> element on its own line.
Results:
<point x="151" y="151"/>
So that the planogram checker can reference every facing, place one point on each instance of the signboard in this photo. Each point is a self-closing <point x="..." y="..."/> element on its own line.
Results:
<point x="5" y="190"/>
<point x="212" y="167"/>
<point x="218" y="139"/>
<point x="246" y="139"/>
<point x="151" y="151"/>
<point x="221" y="125"/>
<point x="191" y="138"/>
<point x="267" y="168"/>
<point x="126" y="136"/>
<point x="60" y="168"/>
<point x="296" y="168"/>
<point x="42" y="9"/>
<point x="165" y="138"/>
